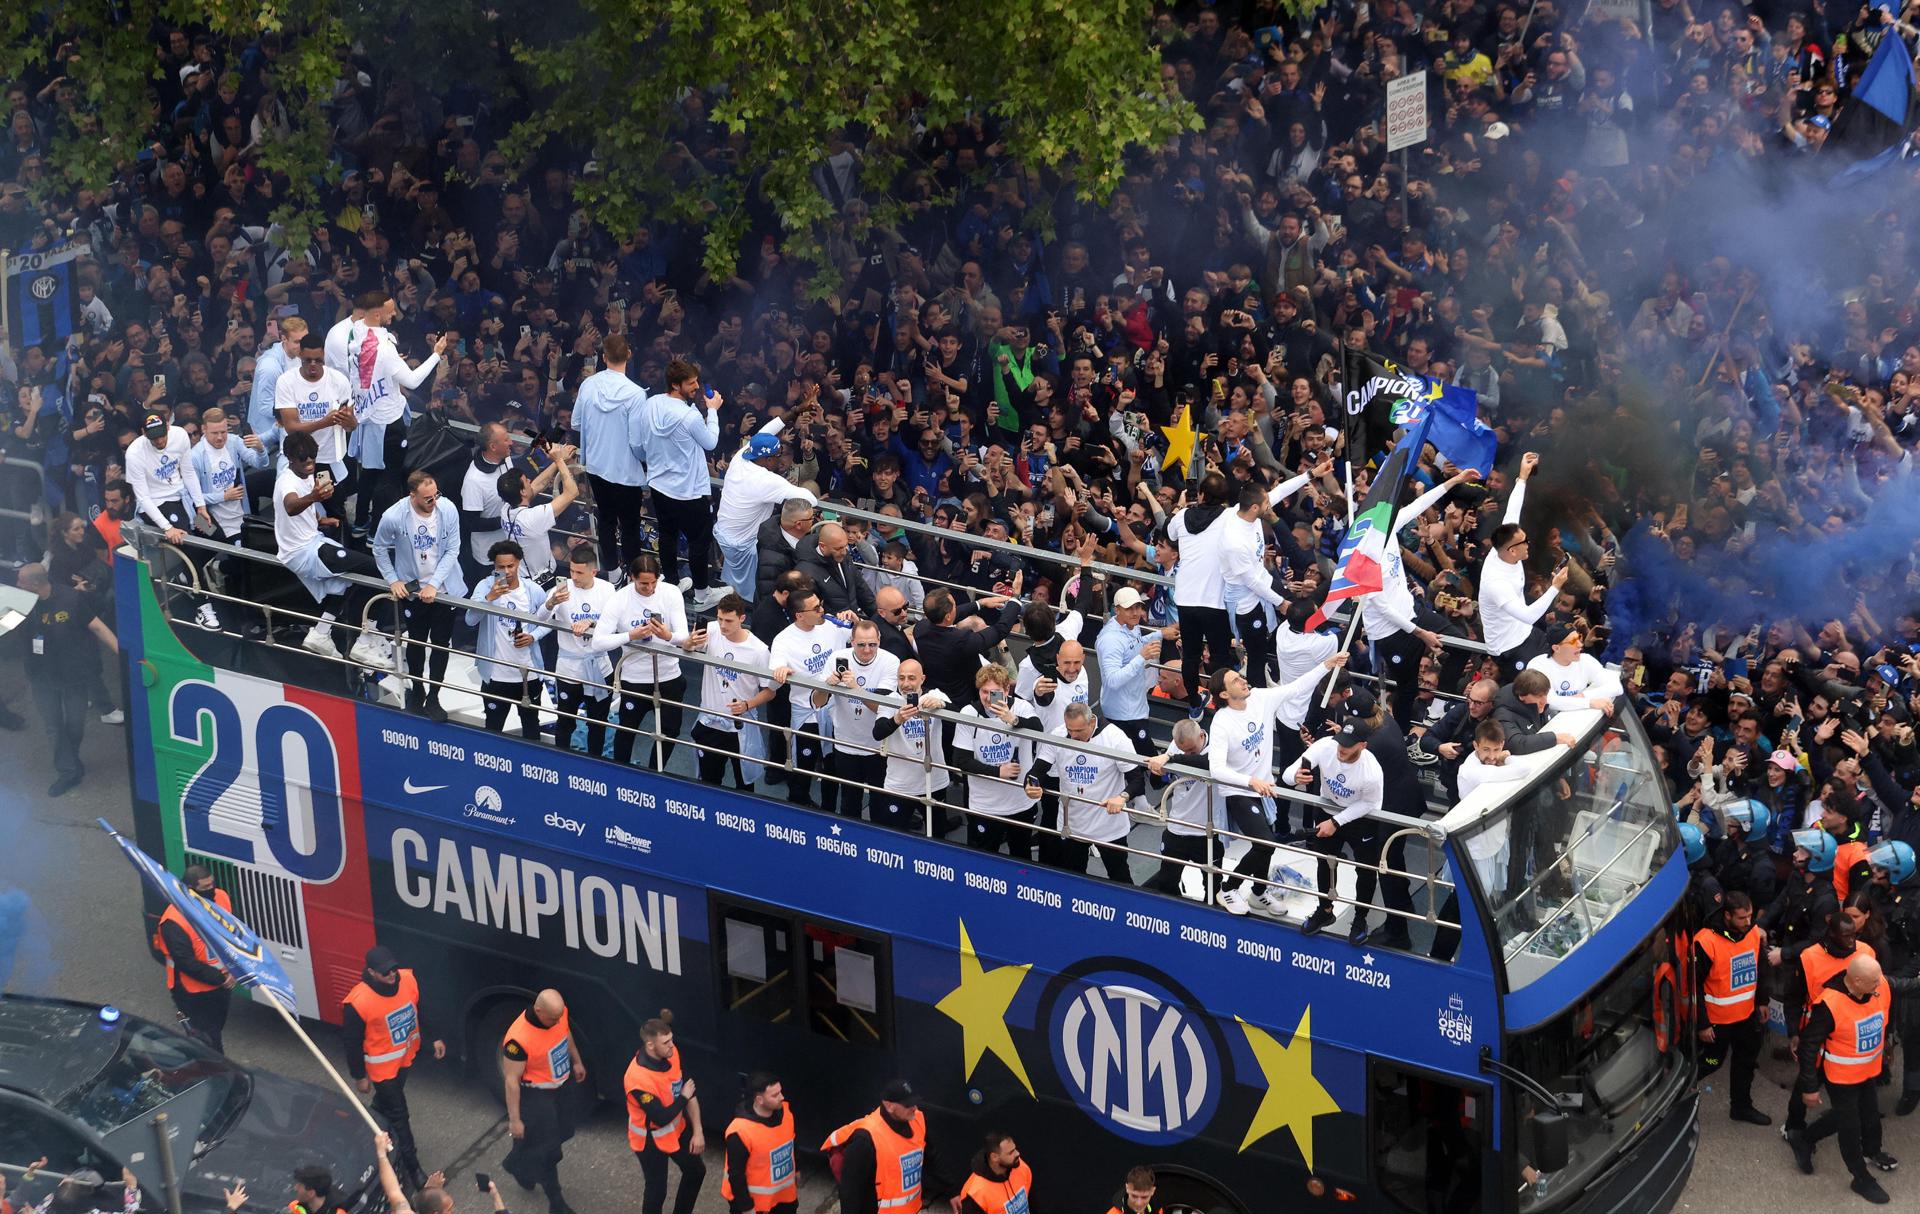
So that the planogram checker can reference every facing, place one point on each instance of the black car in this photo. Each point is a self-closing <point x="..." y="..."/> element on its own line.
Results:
<point x="80" y="1084"/>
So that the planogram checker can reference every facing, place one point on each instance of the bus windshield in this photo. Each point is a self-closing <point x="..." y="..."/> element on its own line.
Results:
<point x="1571" y="847"/>
<point x="1616" y="1060"/>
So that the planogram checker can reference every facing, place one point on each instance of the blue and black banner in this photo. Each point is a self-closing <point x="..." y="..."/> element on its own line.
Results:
<point x="43" y="302"/>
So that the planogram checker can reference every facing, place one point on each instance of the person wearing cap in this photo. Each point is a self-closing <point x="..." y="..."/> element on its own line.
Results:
<point x="1351" y="781"/>
<point x="1843" y="1044"/>
<point x="1733" y="1014"/>
<point x="1401" y="793"/>
<point x="606" y="410"/>
<point x="165" y="489"/>
<point x="381" y="1026"/>
<point x="678" y="428"/>
<point x="751" y="488"/>
<point x="883" y="1156"/>
<point x="1126" y="651"/>
<point x="1785" y="796"/>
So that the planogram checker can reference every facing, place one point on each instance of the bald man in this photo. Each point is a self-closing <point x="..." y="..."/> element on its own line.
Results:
<point x="828" y="559"/>
<point x="1051" y="695"/>
<point x="539" y="1058"/>
<point x="890" y="613"/>
<point x="1844" y="1044"/>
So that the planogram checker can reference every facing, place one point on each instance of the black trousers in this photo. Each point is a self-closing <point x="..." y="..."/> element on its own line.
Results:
<point x="1257" y="637"/>
<point x="845" y="799"/>
<point x="390" y="1101"/>
<point x="430" y="627"/>
<point x="806" y="764"/>
<point x="636" y="705"/>
<point x="1855" y="1119"/>
<point x="691" y="519"/>
<point x="1288" y="745"/>
<point x="547" y="1114"/>
<point x="653" y="1171"/>
<point x="522" y="698"/>
<point x="618" y="509"/>
<point x="1347" y="839"/>
<point x="1138" y="734"/>
<point x="1178" y="851"/>
<point x="1203" y="628"/>
<point x="725" y="753"/>
<point x="1014" y="832"/>
<point x="206" y="1013"/>
<point x="1739" y="1042"/>
<point x="1400" y="654"/>
<point x="1244" y="817"/>
<point x="1514" y="660"/>
<point x="574" y="703"/>
<point x="382" y="487"/>
<point x="1112" y="858"/>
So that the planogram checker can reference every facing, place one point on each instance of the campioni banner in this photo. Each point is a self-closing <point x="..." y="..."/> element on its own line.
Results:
<point x="1381" y="397"/>
<point x="43" y="302"/>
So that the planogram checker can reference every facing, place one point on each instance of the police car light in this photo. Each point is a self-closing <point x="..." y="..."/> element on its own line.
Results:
<point x="109" y="1015"/>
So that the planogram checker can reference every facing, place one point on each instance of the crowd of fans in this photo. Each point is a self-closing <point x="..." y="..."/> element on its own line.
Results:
<point x="1715" y="427"/>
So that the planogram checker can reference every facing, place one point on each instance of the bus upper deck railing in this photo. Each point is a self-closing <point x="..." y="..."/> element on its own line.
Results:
<point x="1434" y="879"/>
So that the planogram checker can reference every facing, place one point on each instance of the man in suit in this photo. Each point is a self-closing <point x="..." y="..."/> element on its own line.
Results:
<point x="890" y="614"/>
<point x="779" y="543"/>
<point x="827" y="559"/>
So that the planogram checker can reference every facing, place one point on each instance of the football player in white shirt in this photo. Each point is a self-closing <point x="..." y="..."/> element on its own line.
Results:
<point x="381" y="379"/>
<point x="582" y="673"/>
<point x="805" y="647"/>
<point x="1575" y="678"/>
<point x="315" y="399"/>
<point x="1351" y="779"/>
<point x="1002" y="789"/>
<point x="648" y="618"/>
<point x="1095" y="789"/>
<point x="1192" y="807"/>
<point x="916" y="760"/>
<point x="529" y="525"/>
<point x="1488" y="847"/>
<point x="856" y="756"/>
<point x="729" y="696"/>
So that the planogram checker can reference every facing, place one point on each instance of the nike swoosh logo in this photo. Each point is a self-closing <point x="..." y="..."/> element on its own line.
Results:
<point x="407" y="785"/>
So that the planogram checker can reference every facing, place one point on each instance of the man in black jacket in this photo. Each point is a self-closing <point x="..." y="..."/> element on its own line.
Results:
<point x="890" y="616"/>
<point x="1401" y="793"/>
<point x="827" y="559"/>
<point x="779" y="542"/>
<point x="900" y="1109"/>
<point x="950" y="653"/>
<point x="1450" y="739"/>
<point x="1521" y="708"/>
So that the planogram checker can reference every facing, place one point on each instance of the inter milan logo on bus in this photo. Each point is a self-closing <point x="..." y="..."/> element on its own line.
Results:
<point x="1135" y="1058"/>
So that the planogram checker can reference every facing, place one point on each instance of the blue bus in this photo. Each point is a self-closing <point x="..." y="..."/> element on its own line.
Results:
<point x="1543" y="1062"/>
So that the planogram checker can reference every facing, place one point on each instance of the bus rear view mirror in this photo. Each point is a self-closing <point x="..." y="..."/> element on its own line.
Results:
<point x="1550" y="1142"/>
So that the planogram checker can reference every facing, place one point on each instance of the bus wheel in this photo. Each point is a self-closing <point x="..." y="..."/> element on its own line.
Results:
<point x="1180" y="1193"/>
<point x="488" y="1028"/>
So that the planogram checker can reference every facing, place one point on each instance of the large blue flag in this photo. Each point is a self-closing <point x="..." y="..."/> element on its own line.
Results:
<point x="240" y="952"/>
<point x="1887" y="82"/>
<point x="43" y="300"/>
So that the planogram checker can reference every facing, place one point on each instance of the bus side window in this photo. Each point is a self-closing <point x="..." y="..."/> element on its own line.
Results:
<point x="849" y="985"/>
<point x="758" y="979"/>
<point x="1428" y="1140"/>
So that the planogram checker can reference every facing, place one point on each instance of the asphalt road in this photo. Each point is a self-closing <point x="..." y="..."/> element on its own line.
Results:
<point x="81" y="943"/>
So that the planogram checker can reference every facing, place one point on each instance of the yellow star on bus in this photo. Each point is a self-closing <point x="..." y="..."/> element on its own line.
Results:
<point x="979" y="1006"/>
<point x="1294" y="1097"/>
<point x="1180" y="440"/>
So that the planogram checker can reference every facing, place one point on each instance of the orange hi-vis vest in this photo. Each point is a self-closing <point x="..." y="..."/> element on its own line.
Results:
<point x="1010" y="1196"/>
<point x="1819" y="966"/>
<point x="392" y="1026"/>
<point x="1734" y="979"/>
<point x="664" y="1087"/>
<point x="1859" y="1038"/>
<point x="175" y="978"/>
<point x="897" y="1161"/>
<point x="1850" y="855"/>
<point x="549" y="1058"/>
<point x="771" y="1178"/>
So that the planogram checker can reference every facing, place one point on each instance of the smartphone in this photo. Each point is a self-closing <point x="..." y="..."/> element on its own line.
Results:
<point x="840" y="666"/>
<point x="322" y="476"/>
<point x="592" y="364"/>
<point x="483" y="1180"/>
<point x="996" y="698"/>
<point x="160" y="382"/>
<point x="913" y="697"/>
<point x="526" y="330"/>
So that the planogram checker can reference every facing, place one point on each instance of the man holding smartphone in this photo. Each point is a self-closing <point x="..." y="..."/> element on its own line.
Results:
<point x="678" y="428"/>
<point x="318" y="400"/>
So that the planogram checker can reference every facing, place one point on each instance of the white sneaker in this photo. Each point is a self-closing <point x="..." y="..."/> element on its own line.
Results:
<point x="711" y="595"/>
<point x="319" y="639"/>
<point x="1233" y="901"/>
<point x="686" y="585"/>
<point x="1273" y="902"/>
<point x="372" y="649"/>
<point x="207" y="618"/>
<point x="116" y="717"/>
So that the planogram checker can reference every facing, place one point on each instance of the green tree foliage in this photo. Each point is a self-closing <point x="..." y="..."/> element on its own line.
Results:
<point x="1070" y="85"/>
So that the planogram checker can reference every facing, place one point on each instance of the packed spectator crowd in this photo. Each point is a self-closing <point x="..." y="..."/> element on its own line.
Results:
<point x="1705" y="427"/>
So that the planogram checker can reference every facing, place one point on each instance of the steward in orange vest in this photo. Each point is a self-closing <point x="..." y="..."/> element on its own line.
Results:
<point x="663" y="1120"/>
<point x="760" y="1175"/>
<point x="381" y="1026"/>
<point x="201" y="989"/>
<point x="1727" y="960"/>
<point x="1844" y="1042"/>
<point x="540" y="1062"/>
<point x="881" y="1159"/>
<point x="1001" y="1182"/>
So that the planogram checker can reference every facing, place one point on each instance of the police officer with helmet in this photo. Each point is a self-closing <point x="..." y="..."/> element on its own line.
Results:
<point x="539" y="1059"/>
<point x="1741" y="860"/>
<point x="1896" y="893"/>
<point x="663" y="1119"/>
<point x="380" y="1022"/>
<point x="760" y="1176"/>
